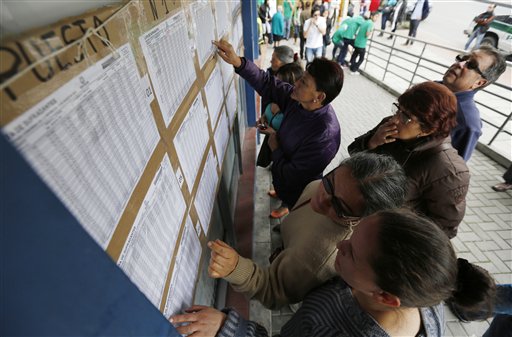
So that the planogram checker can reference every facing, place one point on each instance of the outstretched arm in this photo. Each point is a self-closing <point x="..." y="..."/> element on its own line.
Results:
<point x="273" y="286"/>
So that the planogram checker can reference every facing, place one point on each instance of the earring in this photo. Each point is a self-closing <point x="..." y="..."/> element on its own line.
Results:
<point x="419" y="135"/>
<point x="314" y="100"/>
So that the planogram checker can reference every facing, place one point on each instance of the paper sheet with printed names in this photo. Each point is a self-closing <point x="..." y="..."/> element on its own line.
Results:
<point x="204" y="23"/>
<point x="214" y="95"/>
<point x="169" y="57"/>
<point x="191" y="139"/>
<point x="221" y="137"/>
<point x="227" y="72"/>
<point x="237" y="32"/>
<point x="206" y="192"/>
<point x="222" y="19"/>
<point x="184" y="275"/>
<point x="147" y="252"/>
<point x="231" y="104"/>
<point x="90" y="141"/>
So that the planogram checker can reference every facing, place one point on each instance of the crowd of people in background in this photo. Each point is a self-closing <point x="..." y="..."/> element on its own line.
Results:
<point x="366" y="247"/>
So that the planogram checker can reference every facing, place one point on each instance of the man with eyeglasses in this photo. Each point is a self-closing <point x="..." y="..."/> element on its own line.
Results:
<point x="324" y="215"/>
<point x="470" y="73"/>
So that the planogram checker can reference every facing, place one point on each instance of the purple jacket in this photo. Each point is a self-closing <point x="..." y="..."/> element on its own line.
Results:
<point x="308" y="140"/>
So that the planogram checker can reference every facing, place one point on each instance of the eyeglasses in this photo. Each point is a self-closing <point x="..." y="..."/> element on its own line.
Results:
<point x="471" y="64"/>
<point x="402" y="115"/>
<point x="336" y="202"/>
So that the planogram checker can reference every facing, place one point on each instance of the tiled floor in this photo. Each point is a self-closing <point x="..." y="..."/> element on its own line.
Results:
<point x="485" y="236"/>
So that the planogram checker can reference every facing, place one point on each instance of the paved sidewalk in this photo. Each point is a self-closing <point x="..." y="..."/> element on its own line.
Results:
<point x="484" y="237"/>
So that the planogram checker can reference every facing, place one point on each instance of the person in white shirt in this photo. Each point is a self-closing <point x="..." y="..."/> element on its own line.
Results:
<point x="416" y="17"/>
<point x="314" y="30"/>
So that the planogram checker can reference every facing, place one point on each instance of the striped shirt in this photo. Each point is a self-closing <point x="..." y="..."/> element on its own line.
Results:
<point x="331" y="311"/>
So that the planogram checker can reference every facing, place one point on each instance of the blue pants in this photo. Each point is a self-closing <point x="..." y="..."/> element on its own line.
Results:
<point x="344" y="50"/>
<point x="287" y="26"/>
<point x="335" y="48"/>
<point x="479" y="37"/>
<point x="311" y="53"/>
<point x="501" y="325"/>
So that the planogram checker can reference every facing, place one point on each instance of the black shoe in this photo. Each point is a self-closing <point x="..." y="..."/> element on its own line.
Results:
<point x="390" y="37"/>
<point x="380" y="34"/>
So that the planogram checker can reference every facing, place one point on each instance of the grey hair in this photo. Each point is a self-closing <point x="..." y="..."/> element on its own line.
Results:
<point x="284" y="54"/>
<point x="381" y="179"/>
<point x="497" y="68"/>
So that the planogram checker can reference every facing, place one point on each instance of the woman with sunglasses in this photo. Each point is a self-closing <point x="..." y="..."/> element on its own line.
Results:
<point x="325" y="214"/>
<point x="393" y="274"/>
<point x="417" y="136"/>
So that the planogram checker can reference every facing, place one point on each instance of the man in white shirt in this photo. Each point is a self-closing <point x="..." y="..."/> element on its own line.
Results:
<point x="416" y="17"/>
<point x="314" y="30"/>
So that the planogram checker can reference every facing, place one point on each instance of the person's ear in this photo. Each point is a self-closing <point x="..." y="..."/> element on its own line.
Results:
<point x="321" y="96"/>
<point x="386" y="299"/>
<point x="481" y="82"/>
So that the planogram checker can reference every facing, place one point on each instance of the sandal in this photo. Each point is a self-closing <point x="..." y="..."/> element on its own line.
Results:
<point x="502" y="187"/>
<point x="279" y="212"/>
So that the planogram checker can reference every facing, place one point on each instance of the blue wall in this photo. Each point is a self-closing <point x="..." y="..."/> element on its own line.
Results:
<point x="55" y="280"/>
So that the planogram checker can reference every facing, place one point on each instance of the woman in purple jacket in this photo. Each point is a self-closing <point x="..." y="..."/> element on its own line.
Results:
<point x="309" y="136"/>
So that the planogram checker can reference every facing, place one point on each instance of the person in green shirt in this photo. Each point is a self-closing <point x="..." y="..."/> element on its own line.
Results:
<point x="364" y="32"/>
<point x="289" y="6"/>
<point x="337" y="37"/>
<point x="348" y="36"/>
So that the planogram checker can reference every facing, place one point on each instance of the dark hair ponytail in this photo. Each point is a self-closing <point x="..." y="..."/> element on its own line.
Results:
<point x="475" y="291"/>
<point x="415" y="261"/>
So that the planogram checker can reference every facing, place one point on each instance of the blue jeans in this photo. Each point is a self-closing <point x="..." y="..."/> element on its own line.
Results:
<point x="501" y="325"/>
<point x="335" y="48"/>
<point x="311" y="53"/>
<point x="413" y="28"/>
<point x="479" y="37"/>
<point x="344" y="50"/>
<point x="287" y="25"/>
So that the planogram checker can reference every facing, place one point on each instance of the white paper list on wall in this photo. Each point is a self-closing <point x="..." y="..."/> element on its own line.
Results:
<point x="205" y="195"/>
<point x="227" y="72"/>
<point x="90" y="141"/>
<point x="214" y="95"/>
<point x="221" y="137"/>
<point x="147" y="252"/>
<point x="222" y="19"/>
<point x="231" y="104"/>
<point x="191" y="140"/>
<point x="204" y="23"/>
<point x="168" y="53"/>
<point x="184" y="275"/>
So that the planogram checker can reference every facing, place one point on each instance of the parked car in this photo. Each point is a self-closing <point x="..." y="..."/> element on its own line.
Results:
<point x="499" y="34"/>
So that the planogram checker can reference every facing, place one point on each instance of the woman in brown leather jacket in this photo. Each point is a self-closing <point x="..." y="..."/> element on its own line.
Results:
<point x="417" y="136"/>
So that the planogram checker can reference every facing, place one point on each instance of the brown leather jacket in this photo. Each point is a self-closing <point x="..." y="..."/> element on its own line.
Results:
<point x="438" y="178"/>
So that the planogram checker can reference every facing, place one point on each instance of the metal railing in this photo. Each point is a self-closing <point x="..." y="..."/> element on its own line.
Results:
<point x="398" y="68"/>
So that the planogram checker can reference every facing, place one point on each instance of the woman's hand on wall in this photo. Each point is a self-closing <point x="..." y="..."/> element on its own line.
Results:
<point x="223" y="260"/>
<point x="227" y="53"/>
<point x="200" y="321"/>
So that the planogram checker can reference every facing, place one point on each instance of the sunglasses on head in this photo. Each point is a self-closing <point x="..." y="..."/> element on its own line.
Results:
<point x="471" y="64"/>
